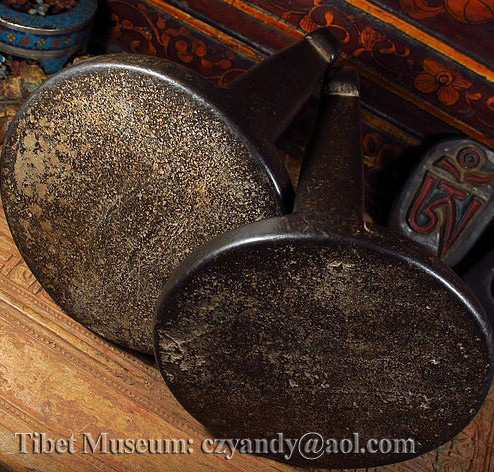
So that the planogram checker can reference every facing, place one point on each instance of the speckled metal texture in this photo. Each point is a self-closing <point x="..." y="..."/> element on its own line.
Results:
<point x="117" y="168"/>
<point x="110" y="177"/>
<point x="295" y="337"/>
<point x="318" y="322"/>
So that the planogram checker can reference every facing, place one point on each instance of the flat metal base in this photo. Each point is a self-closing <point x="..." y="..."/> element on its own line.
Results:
<point x="111" y="175"/>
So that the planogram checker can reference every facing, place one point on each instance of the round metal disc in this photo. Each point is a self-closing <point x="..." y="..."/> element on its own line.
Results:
<point x="112" y="173"/>
<point x="298" y="336"/>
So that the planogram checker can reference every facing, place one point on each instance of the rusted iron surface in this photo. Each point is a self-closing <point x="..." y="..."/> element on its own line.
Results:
<point x="111" y="177"/>
<point x="44" y="354"/>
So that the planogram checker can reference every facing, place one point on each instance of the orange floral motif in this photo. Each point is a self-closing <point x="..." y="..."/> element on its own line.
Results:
<point x="471" y="11"/>
<point x="420" y="9"/>
<point x="369" y="37"/>
<point x="308" y="23"/>
<point x="440" y="80"/>
<point x="466" y="11"/>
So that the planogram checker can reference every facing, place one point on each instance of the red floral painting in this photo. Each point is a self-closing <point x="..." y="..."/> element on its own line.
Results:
<point x="438" y="79"/>
<point x="466" y="11"/>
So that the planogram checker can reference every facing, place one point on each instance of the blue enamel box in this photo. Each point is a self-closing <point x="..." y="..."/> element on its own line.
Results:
<point x="47" y="31"/>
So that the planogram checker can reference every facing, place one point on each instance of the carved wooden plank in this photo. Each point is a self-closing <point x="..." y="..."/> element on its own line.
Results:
<point x="437" y="82"/>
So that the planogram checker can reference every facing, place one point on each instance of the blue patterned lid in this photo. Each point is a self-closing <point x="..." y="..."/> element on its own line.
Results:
<point x="67" y="21"/>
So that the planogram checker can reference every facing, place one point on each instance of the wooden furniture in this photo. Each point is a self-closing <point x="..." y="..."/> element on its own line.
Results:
<point x="425" y="66"/>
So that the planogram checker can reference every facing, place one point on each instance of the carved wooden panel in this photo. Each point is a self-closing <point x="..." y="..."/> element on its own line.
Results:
<point x="439" y="80"/>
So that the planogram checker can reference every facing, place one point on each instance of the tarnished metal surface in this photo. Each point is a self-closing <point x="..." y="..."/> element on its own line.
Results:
<point x="117" y="168"/>
<point x="59" y="379"/>
<point x="297" y="337"/>
<point x="111" y="176"/>
<point x="318" y="322"/>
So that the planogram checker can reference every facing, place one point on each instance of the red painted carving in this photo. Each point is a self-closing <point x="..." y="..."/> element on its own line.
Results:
<point x="444" y="205"/>
<point x="436" y="207"/>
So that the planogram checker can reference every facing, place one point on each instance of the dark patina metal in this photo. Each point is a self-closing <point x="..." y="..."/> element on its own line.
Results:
<point x="480" y="278"/>
<point x="318" y="322"/>
<point x="447" y="202"/>
<point x="117" y="168"/>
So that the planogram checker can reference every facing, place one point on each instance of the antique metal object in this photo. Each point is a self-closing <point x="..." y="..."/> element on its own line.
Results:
<point x="447" y="202"/>
<point x="318" y="322"/>
<point x="117" y="168"/>
<point x="46" y="31"/>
